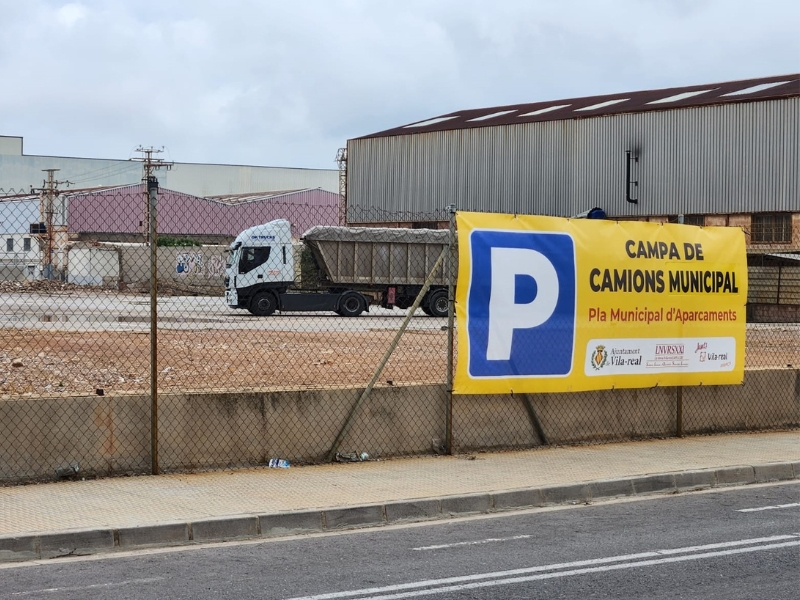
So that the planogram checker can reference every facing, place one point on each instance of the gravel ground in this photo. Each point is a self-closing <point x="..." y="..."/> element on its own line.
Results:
<point x="71" y="362"/>
<point x="66" y="362"/>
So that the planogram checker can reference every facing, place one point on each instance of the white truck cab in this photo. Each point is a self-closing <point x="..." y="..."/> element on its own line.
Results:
<point x="261" y="261"/>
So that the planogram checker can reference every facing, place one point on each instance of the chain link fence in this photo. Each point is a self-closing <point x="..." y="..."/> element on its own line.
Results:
<point x="307" y="352"/>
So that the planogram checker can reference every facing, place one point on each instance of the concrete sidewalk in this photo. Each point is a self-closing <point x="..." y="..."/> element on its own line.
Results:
<point x="82" y="517"/>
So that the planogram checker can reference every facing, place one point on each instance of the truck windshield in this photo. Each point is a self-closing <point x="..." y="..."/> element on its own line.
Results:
<point x="233" y="258"/>
<point x="252" y="258"/>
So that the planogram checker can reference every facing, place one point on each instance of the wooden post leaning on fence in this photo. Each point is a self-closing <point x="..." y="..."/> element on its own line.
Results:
<point x="365" y="394"/>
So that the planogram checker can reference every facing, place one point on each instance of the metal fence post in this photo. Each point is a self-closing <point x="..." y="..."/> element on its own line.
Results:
<point x="679" y="412"/>
<point x="451" y="275"/>
<point x="152" y="190"/>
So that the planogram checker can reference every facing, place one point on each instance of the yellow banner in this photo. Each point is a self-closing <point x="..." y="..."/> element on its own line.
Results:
<point x="547" y="304"/>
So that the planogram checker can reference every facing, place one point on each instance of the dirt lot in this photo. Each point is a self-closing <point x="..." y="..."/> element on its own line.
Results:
<point x="63" y="362"/>
<point x="66" y="362"/>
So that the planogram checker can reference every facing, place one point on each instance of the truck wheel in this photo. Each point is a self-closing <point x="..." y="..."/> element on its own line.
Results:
<point x="437" y="303"/>
<point x="263" y="304"/>
<point x="351" y="305"/>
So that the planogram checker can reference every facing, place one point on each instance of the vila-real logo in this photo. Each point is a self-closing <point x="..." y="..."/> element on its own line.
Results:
<point x="599" y="357"/>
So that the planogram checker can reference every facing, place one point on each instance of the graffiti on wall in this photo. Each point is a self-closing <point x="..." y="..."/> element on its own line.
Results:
<point x="187" y="263"/>
<point x="193" y="263"/>
<point x="216" y="267"/>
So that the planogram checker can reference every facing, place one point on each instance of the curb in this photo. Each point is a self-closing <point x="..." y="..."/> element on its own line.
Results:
<point x="241" y="527"/>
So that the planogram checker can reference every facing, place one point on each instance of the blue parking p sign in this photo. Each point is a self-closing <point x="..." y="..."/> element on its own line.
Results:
<point x="521" y="304"/>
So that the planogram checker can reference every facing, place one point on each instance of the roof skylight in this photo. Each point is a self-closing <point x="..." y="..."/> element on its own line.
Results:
<point x="603" y="104"/>
<point x="678" y="97"/>
<point x="755" y="88"/>
<point x="545" y="110"/>
<point x="492" y="115"/>
<point x="430" y="122"/>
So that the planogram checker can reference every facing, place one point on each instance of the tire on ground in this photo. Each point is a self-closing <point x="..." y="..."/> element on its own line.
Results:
<point x="263" y="304"/>
<point x="351" y="304"/>
<point x="437" y="304"/>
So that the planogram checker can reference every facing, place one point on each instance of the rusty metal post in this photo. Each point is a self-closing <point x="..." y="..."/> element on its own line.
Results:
<point x="451" y="304"/>
<point x="152" y="191"/>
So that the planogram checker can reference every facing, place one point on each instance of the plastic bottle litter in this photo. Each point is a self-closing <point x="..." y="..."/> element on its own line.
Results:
<point x="364" y="456"/>
<point x="68" y="471"/>
<point x="278" y="463"/>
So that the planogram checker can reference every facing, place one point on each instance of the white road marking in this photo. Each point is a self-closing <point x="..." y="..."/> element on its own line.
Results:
<point x="760" y="508"/>
<point x="475" y="543"/>
<point x="625" y="561"/>
<point x="94" y="586"/>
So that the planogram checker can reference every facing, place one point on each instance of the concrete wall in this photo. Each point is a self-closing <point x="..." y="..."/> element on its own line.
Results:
<point x="111" y="434"/>
<point x="192" y="269"/>
<point x="93" y="266"/>
<point x="10" y="145"/>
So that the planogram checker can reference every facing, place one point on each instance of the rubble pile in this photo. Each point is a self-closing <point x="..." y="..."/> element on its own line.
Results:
<point x="50" y="286"/>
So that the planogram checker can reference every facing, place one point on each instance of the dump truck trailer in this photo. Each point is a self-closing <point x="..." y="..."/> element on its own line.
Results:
<point x="342" y="269"/>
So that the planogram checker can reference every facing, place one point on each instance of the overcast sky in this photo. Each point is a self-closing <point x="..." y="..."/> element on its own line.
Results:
<point x="287" y="83"/>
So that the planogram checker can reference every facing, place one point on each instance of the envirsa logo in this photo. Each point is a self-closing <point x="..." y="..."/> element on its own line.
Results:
<point x="670" y="350"/>
<point x="521" y="304"/>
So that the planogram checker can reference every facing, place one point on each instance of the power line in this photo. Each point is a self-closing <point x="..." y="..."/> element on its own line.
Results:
<point x="150" y="164"/>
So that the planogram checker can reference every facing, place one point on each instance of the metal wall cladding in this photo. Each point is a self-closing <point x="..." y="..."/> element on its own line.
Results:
<point x="733" y="158"/>
<point x="23" y="171"/>
<point x="119" y="210"/>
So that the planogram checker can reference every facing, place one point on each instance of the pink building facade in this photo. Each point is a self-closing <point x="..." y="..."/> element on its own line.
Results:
<point x="122" y="210"/>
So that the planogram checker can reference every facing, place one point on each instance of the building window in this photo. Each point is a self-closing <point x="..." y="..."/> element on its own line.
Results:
<point x="9" y="244"/>
<point x="771" y="228"/>
<point x="698" y="220"/>
<point x="26" y="244"/>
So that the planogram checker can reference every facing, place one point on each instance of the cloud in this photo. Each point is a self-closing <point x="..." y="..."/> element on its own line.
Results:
<point x="70" y="14"/>
<point x="279" y="83"/>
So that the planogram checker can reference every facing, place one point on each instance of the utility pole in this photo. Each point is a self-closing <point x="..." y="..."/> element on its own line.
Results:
<point x="341" y="160"/>
<point x="45" y="230"/>
<point x="150" y="223"/>
<point x="149" y="165"/>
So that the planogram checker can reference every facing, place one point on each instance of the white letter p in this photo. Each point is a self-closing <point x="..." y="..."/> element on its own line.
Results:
<point x="504" y="314"/>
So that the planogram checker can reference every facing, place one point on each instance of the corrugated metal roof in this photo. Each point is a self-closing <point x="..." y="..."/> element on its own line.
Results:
<point x="255" y="196"/>
<point x="747" y="90"/>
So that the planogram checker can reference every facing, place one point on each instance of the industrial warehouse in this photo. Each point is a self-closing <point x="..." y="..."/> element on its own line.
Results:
<point x="716" y="154"/>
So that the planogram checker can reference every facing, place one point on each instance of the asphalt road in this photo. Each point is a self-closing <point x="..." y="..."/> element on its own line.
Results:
<point x="737" y="543"/>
